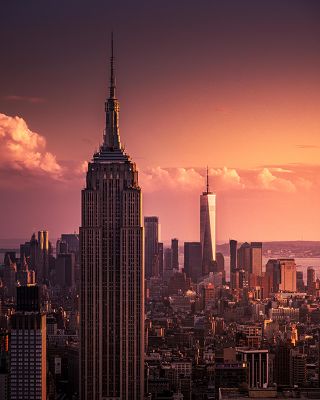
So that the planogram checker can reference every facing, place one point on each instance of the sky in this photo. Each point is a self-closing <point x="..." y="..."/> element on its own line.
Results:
<point x="229" y="84"/>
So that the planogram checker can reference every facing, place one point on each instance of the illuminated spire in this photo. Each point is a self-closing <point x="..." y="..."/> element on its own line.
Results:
<point x="207" y="179"/>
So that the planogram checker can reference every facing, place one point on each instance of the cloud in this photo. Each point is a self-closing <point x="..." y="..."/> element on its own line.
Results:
<point x="272" y="178"/>
<point x="24" y="150"/>
<point x="28" y="99"/>
<point x="271" y="182"/>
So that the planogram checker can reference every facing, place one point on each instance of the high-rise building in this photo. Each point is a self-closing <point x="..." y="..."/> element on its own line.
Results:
<point x="233" y="255"/>
<point x="298" y="368"/>
<point x="288" y="275"/>
<point x="43" y="257"/>
<point x="160" y="254"/>
<point x="28" y="347"/>
<point x="65" y="267"/>
<point x="244" y="257"/>
<point x="281" y="364"/>
<point x="249" y="258"/>
<point x="273" y="272"/>
<point x="256" y="258"/>
<point x="175" y="253"/>
<point x="192" y="260"/>
<point x="112" y="271"/>
<point x="151" y="235"/>
<point x="167" y="259"/>
<point x="300" y="282"/>
<point x="311" y="280"/>
<point x="208" y="228"/>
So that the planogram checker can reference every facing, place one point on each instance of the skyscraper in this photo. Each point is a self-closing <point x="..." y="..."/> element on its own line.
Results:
<point x="208" y="228"/>
<point x="288" y="276"/>
<point x="151" y="234"/>
<point x="175" y="253"/>
<point x="112" y="272"/>
<point x="311" y="279"/>
<point x="233" y="255"/>
<point x="192" y="260"/>
<point x="256" y="258"/>
<point x="28" y="347"/>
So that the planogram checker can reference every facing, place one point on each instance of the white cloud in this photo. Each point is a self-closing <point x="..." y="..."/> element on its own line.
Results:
<point x="22" y="149"/>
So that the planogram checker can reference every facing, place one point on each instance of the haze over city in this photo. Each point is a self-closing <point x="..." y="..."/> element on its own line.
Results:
<point x="232" y="85"/>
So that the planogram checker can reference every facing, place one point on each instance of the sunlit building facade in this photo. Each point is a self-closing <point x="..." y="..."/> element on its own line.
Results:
<point x="112" y="271"/>
<point x="208" y="229"/>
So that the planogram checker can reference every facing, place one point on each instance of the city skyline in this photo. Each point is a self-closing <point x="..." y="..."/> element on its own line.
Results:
<point x="255" y="124"/>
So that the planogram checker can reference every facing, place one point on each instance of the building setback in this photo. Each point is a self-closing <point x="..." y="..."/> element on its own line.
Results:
<point x="112" y="272"/>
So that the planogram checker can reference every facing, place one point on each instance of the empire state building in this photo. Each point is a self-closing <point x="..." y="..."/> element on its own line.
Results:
<point x="112" y="270"/>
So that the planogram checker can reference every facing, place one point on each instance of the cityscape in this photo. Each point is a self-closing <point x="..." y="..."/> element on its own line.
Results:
<point x="175" y="299"/>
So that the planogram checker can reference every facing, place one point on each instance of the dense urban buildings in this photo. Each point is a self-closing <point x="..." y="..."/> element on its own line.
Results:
<point x="112" y="273"/>
<point x="113" y="313"/>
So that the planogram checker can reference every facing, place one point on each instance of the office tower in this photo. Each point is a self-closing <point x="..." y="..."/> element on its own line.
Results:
<point x="298" y="368"/>
<point x="256" y="258"/>
<point x="258" y="366"/>
<point x="300" y="282"/>
<point x="288" y="276"/>
<point x="28" y="347"/>
<point x="151" y="240"/>
<point x="175" y="253"/>
<point x="43" y="257"/>
<point x="72" y="240"/>
<point x="311" y="280"/>
<point x="281" y="364"/>
<point x="61" y="247"/>
<point x="208" y="228"/>
<point x="244" y="257"/>
<point x="167" y="259"/>
<point x="233" y="255"/>
<point x="160" y="253"/>
<point x="65" y="266"/>
<point x="192" y="260"/>
<point x="112" y="272"/>
<point x="273" y="272"/>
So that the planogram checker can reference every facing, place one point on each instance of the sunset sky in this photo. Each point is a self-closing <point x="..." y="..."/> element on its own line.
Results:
<point x="232" y="84"/>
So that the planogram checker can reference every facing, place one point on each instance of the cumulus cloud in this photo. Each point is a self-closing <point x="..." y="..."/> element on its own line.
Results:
<point x="271" y="182"/>
<point x="280" y="179"/>
<point x="23" y="149"/>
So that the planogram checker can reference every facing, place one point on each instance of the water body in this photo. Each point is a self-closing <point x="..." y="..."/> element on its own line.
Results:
<point x="302" y="265"/>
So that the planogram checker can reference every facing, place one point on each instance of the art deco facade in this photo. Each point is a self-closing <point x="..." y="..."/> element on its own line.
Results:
<point x="208" y="229"/>
<point x="112" y="272"/>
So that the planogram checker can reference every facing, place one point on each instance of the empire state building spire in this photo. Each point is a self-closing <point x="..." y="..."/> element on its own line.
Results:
<point x="111" y="136"/>
<point x="112" y="76"/>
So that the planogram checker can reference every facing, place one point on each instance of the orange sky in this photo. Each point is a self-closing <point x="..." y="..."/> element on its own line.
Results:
<point x="233" y="86"/>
